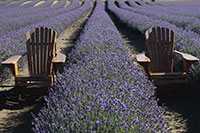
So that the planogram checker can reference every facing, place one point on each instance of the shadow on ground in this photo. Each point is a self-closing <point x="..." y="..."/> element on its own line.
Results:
<point x="184" y="100"/>
<point x="134" y="38"/>
<point x="16" y="114"/>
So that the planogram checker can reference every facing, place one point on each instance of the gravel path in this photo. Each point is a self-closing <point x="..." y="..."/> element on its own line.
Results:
<point x="15" y="116"/>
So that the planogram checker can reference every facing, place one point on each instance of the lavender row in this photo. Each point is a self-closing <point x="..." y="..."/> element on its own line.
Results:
<point x="186" y="22"/>
<point x="29" y="8"/>
<point x="46" y="3"/>
<point x="60" y="4"/>
<point x="186" y="41"/>
<point x="30" y="4"/>
<point x="3" y="3"/>
<point x="101" y="90"/>
<point x="140" y="3"/>
<point x="13" y="43"/>
<point x="185" y="8"/>
<point x="10" y="13"/>
<point x="15" y="3"/>
<point x="7" y="25"/>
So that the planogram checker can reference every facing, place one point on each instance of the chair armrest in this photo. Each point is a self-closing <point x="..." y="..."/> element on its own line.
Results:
<point x="188" y="60"/>
<point x="59" y="58"/>
<point x="12" y="63"/>
<point x="142" y="58"/>
<point x="12" y="59"/>
<point x="187" y="57"/>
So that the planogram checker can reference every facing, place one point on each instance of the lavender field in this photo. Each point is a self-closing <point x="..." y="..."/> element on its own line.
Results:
<point x="100" y="88"/>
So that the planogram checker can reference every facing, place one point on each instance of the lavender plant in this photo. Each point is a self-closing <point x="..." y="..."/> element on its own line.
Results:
<point x="22" y="21"/>
<point x="101" y="90"/>
<point x="30" y="4"/>
<point x="3" y="3"/>
<point x="184" y="8"/>
<point x="46" y="3"/>
<point x="132" y="3"/>
<point x="182" y="21"/>
<point x="60" y="4"/>
<point x="16" y="3"/>
<point x="29" y="9"/>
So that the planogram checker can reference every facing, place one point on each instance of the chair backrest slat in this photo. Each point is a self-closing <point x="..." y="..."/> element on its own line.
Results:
<point x="45" y="49"/>
<point x="160" y="47"/>
<point x="172" y="42"/>
<point x="49" y="49"/>
<point x="169" y="47"/>
<point x="29" y="51"/>
<point x="37" y="51"/>
<point x="33" y="52"/>
<point x="40" y="49"/>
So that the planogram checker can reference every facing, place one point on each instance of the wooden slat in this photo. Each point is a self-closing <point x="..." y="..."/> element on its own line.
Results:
<point x="28" y="36"/>
<point x="44" y="84"/>
<point x="41" y="51"/>
<point x="37" y="51"/>
<point x="49" y="51"/>
<point x="172" y="50"/>
<point x="169" y="76"/>
<point x="147" y="39"/>
<point x="52" y="49"/>
<point x="149" y="45"/>
<point x="155" y="58"/>
<point x="163" y="53"/>
<point x="33" y="79"/>
<point x="167" y="73"/>
<point x="45" y="49"/>
<point x="159" y="49"/>
<point x="169" y="49"/>
<point x="54" y="41"/>
<point x="28" y="51"/>
<point x="33" y="76"/>
<point x="33" y="52"/>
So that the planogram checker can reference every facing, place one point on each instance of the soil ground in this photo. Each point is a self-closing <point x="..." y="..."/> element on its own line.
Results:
<point x="15" y="115"/>
<point x="180" y="101"/>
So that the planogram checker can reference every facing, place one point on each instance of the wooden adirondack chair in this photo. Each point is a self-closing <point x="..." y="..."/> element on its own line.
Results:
<point x="43" y="59"/>
<point x="158" y="59"/>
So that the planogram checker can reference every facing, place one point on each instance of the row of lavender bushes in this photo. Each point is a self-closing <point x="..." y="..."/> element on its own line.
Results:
<point x="185" y="8"/>
<point x="159" y="12"/>
<point x="186" y="41"/>
<point x="3" y="3"/>
<point x="100" y="90"/>
<point x="13" y="43"/>
<point x="25" y="10"/>
<point x="15" y="23"/>
<point x="15" y="3"/>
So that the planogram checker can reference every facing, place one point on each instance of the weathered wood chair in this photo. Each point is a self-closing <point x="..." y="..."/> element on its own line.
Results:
<point x="158" y="59"/>
<point x="43" y="60"/>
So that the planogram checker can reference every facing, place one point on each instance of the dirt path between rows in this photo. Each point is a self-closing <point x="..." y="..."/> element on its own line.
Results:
<point x="180" y="101"/>
<point x="15" y="116"/>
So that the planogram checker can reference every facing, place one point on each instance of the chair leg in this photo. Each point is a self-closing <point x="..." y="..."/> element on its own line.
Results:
<point x="17" y="93"/>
